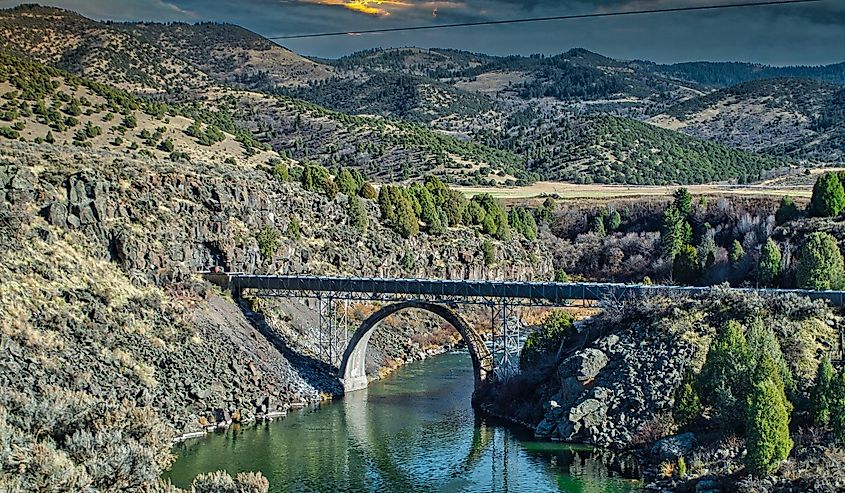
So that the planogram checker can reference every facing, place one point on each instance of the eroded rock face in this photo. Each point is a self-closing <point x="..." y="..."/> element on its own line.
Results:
<point x="168" y="220"/>
<point x="608" y="391"/>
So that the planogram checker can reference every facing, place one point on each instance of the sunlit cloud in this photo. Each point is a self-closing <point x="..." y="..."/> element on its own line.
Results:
<point x="380" y="8"/>
<point x="369" y="7"/>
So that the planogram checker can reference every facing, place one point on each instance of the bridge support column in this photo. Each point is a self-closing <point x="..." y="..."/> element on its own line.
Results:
<point x="332" y="331"/>
<point x="506" y="334"/>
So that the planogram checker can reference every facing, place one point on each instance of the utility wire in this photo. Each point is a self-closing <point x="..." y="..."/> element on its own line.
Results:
<point x="553" y="18"/>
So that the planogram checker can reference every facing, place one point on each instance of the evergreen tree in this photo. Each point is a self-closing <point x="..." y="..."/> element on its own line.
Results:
<point x="671" y="232"/>
<point x="598" y="226"/>
<point x="820" y="265"/>
<point x="346" y="182"/>
<point x="385" y="204"/>
<point x="454" y="205"/>
<point x="686" y="268"/>
<point x="561" y="276"/>
<point x="406" y="222"/>
<point x="724" y="376"/>
<point x="823" y="393"/>
<point x="687" y="402"/>
<point x="767" y="425"/>
<point x="614" y="220"/>
<point x="828" y="198"/>
<point x="736" y="253"/>
<point x="281" y="171"/>
<point x="787" y="211"/>
<point x="683" y="201"/>
<point x="488" y="253"/>
<point x="357" y="214"/>
<point x="769" y="265"/>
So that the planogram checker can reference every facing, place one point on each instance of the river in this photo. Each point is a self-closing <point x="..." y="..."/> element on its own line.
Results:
<point x="413" y="431"/>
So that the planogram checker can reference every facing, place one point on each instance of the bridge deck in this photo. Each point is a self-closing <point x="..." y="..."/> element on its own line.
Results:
<point x="541" y="292"/>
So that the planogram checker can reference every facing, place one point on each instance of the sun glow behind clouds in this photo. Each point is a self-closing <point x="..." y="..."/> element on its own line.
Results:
<point x="369" y="7"/>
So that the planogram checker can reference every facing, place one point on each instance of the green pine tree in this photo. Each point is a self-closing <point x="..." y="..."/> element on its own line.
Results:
<point x="820" y="264"/>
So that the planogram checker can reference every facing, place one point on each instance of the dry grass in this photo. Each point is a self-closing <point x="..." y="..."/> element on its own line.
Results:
<point x="576" y="191"/>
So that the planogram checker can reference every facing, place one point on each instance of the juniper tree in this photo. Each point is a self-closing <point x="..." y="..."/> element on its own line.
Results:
<point x="767" y="424"/>
<point x="820" y="264"/>
<point x="822" y="393"/>
<point x="769" y="265"/>
<point x="828" y="196"/>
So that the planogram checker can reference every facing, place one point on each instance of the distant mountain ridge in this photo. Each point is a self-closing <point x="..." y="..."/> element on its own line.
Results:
<point x="400" y="113"/>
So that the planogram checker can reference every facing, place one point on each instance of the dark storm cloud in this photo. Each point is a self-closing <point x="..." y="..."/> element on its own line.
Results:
<point x="809" y="34"/>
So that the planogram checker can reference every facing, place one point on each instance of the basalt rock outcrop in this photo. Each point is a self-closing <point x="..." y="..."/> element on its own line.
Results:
<point x="168" y="220"/>
<point x="99" y="254"/>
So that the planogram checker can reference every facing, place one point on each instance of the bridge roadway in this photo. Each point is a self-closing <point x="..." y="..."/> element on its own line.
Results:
<point x="470" y="290"/>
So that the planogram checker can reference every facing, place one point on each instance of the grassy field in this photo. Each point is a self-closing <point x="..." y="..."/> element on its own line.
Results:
<point x="575" y="191"/>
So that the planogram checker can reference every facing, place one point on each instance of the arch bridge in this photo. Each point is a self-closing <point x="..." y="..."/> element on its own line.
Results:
<point x="442" y="297"/>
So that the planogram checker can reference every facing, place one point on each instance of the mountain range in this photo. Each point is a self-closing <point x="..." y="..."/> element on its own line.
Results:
<point x="398" y="114"/>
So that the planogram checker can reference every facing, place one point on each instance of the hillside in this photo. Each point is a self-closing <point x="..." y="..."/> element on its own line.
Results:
<point x="798" y="118"/>
<point x="607" y="149"/>
<point x="44" y="104"/>
<point x="724" y="74"/>
<point x="231" y="54"/>
<point x="95" y="50"/>
<point x="387" y="149"/>
<point x="399" y="114"/>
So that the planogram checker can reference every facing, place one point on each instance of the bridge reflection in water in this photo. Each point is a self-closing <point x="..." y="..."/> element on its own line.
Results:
<point x="414" y="431"/>
<point x="442" y="297"/>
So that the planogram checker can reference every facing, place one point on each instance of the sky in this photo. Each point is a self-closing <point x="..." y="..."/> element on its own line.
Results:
<point x="807" y="34"/>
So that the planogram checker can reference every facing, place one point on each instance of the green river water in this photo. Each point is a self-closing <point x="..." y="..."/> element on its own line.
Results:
<point x="414" y="431"/>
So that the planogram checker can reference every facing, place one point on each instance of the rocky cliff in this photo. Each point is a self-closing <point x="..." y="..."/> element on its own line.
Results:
<point x="146" y="227"/>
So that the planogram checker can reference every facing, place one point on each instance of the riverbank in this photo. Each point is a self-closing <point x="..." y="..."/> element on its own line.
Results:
<point x="630" y="382"/>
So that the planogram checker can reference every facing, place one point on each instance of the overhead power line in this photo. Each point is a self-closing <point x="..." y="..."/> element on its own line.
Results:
<point x="552" y="18"/>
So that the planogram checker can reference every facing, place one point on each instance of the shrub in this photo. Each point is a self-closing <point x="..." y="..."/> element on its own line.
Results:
<point x="294" y="229"/>
<point x="368" y="191"/>
<point x="820" y="263"/>
<point x="823" y="393"/>
<point x="686" y="269"/>
<point x="281" y="171"/>
<point x="787" y="211"/>
<point x="546" y="339"/>
<point x="268" y="241"/>
<point x="222" y="482"/>
<point x="837" y="407"/>
<point x="561" y="276"/>
<point x="828" y="198"/>
<point x="768" y="267"/>
<point x="767" y="423"/>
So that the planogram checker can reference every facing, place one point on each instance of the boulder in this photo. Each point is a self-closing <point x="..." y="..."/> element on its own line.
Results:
<point x="671" y="448"/>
